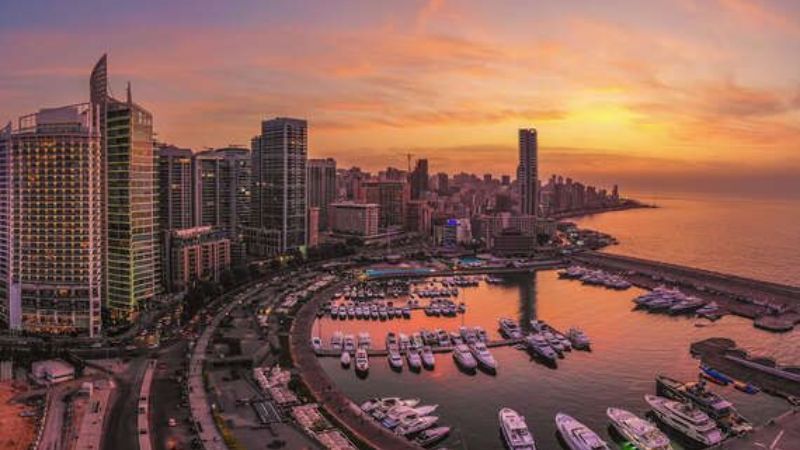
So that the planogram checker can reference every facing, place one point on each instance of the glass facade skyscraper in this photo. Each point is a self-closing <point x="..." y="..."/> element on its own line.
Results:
<point x="130" y="200"/>
<point x="279" y="211"/>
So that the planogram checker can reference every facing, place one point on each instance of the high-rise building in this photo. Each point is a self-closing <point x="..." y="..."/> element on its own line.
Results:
<point x="359" y="219"/>
<point x="197" y="254"/>
<point x="313" y="226"/>
<point x="392" y="196"/>
<point x="279" y="211"/>
<point x="222" y="188"/>
<point x="175" y="210"/>
<point x="527" y="175"/>
<point x="131" y="244"/>
<point x="443" y="183"/>
<point x="51" y="212"/>
<point x="322" y="187"/>
<point x="419" y="179"/>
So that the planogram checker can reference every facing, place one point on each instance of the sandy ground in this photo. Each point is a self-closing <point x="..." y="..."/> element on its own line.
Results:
<point x="18" y="432"/>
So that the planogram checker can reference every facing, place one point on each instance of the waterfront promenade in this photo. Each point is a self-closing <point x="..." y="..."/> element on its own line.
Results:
<point x="327" y="394"/>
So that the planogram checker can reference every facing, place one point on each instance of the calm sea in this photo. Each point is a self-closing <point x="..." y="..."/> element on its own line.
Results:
<point x="753" y="238"/>
<point x="629" y="349"/>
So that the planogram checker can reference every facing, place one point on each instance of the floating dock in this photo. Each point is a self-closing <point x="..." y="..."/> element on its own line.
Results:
<point x="376" y="352"/>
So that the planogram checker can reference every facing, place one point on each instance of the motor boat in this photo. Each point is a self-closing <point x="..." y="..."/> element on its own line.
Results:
<point x="403" y="415"/>
<point x="428" y="359"/>
<point x="316" y="343"/>
<point x="362" y="360"/>
<point x="416" y="425"/>
<point x="349" y="344"/>
<point x="706" y="400"/>
<point x="345" y="358"/>
<point x="416" y="341"/>
<point x="395" y="359"/>
<point x="554" y="343"/>
<point x="380" y="412"/>
<point x="391" y="340"/>
<point x="431" y="436"/>
<point x="336" y="340"/>
<point x="404" y="343"/>
<point x="640" y="432"/>
<point x="537" y="344"/>
<point x="364" y="340"/>
<point x="686" y="419"/>
<point x="509" y="328"/>
<point x="414" y="359"/>
<point x="579" y="339"/>
<point x="443" y="337"/>
<point x="578" y="436"/>
<point x="515" y="430"/>
<point x="481" y="333"/>
<point x="482" y="354"/>
<point x="464" y="357"/>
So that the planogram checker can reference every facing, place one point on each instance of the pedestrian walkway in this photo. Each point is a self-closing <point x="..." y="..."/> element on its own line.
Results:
<point x="324" y="390"/>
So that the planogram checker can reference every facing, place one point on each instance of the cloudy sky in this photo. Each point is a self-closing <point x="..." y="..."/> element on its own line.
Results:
<point x="661" y="96"/>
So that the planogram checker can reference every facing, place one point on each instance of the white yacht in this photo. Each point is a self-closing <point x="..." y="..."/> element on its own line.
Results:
<point x="404" y="342"/>
<point x="481" y="333"/>
<point x="443" y="337"/>
<point x="482" y="354"/>
<point x="349" y="344"/>
<point x="391" y="340"/>
<point x="316" y="343"/>
<point x="431" y="436"/>
<point x="416" y="425"/>
<point x="578" y="436"/>
<point x="362" y="360"/>
<point x="336" y="340"/>
<point x="464" y="358"/>
<point x="386" y="405"/>
<point x="364" y="340"/>
<point x="642" y="433"/>
<point x="376" y="403"/>
<point x="538" y="345"/>
<point x="414" y="360"/>
<point x="579" y="339"/>
<point x="395" y="359"/>
<point x="515" y="430"/>
<point x="509" y="328"/>
<point x="428" y="359"/>
<point x="405" y="414"/>
<point x="345" y="359"/>
<point x="687" y="419"/>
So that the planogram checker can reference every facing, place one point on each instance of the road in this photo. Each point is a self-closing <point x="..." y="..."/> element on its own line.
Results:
<point x="121" y="431"/>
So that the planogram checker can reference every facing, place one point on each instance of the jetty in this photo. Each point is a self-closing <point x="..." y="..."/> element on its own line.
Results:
<point x="773" y="306"/>
<point x="723" y="354"/>
<point x="377" y="352"/>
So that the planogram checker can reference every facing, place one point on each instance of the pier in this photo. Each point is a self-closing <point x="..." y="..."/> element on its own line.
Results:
<point x="773" y="306"/>
<point x="723" y="354"/>
<point x="377" y="352"/>
<point x="782" y="432"/>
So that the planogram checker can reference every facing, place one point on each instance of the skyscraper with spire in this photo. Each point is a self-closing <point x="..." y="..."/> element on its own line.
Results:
<point x="129" y="193"/>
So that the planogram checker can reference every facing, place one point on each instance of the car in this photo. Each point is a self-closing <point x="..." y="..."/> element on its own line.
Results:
<point x="172" y="422"/>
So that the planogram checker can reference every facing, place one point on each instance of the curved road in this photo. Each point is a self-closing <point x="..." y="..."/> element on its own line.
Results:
<point x="324" y="390"/>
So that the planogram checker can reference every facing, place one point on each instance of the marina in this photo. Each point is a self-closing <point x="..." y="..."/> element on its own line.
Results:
<point x="583" y="385"/>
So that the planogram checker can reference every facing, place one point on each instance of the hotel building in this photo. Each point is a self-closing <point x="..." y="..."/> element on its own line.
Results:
<point x="51" y="212"/>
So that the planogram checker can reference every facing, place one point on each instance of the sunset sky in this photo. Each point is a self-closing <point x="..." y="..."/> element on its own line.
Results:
<point x="660" y="96"/>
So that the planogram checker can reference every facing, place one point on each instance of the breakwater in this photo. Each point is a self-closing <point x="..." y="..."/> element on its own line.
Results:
<point x="774" y="306"/>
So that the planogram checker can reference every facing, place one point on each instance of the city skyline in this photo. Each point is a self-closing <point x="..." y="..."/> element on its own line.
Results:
<point x="651" y="106"/>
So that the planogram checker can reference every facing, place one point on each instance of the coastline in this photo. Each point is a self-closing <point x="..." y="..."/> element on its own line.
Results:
<point x="629" y="204"/>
